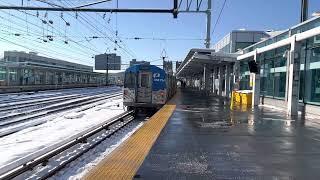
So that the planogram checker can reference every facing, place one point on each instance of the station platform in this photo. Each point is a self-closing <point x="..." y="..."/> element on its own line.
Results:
<point x="196" y="136"/>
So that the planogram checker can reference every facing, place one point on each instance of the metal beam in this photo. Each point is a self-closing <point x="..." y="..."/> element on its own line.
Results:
<point x="32" y="8"/>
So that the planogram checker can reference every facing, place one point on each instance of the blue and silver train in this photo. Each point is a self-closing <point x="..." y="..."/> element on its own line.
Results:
<point x="147" y="86"/>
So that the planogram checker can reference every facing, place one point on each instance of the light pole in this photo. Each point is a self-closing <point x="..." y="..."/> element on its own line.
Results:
<point x="304" y="10"/>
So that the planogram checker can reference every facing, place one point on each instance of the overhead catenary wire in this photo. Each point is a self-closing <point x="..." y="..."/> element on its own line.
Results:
<point x="41" y="27"/>
<point x="112" y="39"/>
<point x="78" y="44"/>
<point x="113" y="34"/>
<point x="17" y="17"/>
<point x="219" y="16"/>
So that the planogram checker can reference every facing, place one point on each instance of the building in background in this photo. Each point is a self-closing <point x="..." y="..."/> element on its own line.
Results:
<point x="116" y="78"/>
<point x="29" y="69"/>
<point x="135" y="62"/>
<point x="239" y="39"/>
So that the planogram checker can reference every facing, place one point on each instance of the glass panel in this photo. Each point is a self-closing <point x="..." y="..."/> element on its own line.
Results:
<point x="244" y="75"/>
<point x="280" y="69"/>
<point x="130" y="80"/>
<point x="269" y="70"/>
<point x="312" y="74"/>
<point x="145" y="81"/>
<point x="307" y="26"/>
<point x="242" y="45"/>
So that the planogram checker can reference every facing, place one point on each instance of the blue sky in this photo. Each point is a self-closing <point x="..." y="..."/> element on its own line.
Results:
<point x="237" y="14"/>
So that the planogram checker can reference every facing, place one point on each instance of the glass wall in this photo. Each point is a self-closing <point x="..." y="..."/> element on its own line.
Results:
<point x="244" y="75"/>
<point x="310" y="72"/>
<point x="242" y="45"/>
<point x="306" y="26"/>
<point x="294" y="30"/>
<point x="273" y="66"/>
<point x="226" y="49"/>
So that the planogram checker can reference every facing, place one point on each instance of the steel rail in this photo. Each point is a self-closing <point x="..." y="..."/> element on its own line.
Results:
<point x="82" y="138"/>
<point x="48" y="96"/>
<point x="58" y="109"/>
<point x="83" y="101"/>
<point x="43" y="101"/>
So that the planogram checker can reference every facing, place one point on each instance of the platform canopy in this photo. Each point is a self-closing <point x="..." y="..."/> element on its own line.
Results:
<point x="198" y="58"/>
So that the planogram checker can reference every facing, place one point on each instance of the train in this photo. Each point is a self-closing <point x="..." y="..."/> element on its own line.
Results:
<point x="147" y="86"/>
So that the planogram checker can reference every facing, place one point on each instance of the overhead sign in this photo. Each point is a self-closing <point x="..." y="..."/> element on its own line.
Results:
<point x="107" y="61"/>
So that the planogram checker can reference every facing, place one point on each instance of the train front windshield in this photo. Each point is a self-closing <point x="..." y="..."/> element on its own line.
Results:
<point x="130" y="80"/>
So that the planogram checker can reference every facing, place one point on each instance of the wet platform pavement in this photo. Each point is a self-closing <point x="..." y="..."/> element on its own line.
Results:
<point x="204" y="139"/>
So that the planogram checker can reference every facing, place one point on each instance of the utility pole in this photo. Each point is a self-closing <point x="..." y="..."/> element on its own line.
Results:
<point x="304" y="10"/>
<point x="208" y="38"/>
<point x="196" y="7"/>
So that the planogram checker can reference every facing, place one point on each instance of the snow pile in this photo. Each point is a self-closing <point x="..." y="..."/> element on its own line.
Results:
<point x="35" y="139"/>
<point x="74" y="115"/>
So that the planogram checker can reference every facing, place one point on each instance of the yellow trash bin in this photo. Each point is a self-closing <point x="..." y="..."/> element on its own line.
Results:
<point x="246" y="98"/>
<point x="237" y="97"/>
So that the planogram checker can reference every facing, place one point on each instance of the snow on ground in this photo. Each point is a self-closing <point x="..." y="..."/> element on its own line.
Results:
<point x="15" y="97"/>
<point x="35" y="139"/>
<point x="78" y="168"/>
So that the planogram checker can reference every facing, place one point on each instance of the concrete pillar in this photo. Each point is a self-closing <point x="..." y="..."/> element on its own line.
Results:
<point x="255" y="85"/>
<point x="232" y="77"/>
<point x="220" y="80"/>
<point x="206" y="79"/>
<point x="227" y="81"/>
<point x="214" y="80"/>
<point x="236" y="75"/>
<point x="294" y="78"/>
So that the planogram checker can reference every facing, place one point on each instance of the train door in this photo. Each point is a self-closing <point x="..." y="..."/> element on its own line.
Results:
<point x="145" y="87"/>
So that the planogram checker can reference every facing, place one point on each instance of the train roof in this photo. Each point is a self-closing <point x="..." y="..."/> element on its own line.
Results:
<point x="138" y="67"/>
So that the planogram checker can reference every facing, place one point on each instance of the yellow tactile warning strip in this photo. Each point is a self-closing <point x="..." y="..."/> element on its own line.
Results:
<point x="125" y="161"/>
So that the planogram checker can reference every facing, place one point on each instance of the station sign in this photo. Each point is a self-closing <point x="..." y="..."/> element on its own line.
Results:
<point x="107" y="61"/>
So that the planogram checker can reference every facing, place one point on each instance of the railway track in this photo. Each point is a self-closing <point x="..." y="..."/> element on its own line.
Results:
<point x="42" y="159"/>
<point x="18" y="101"/>
<point x="48" y="110"/>
<point x="38" y="102"/>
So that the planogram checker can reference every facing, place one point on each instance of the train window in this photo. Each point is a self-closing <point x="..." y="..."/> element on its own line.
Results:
<point x="145" y="81"/>
<point x="130" y="80"/>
